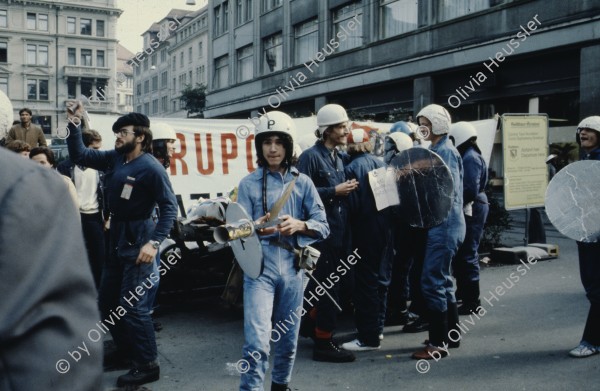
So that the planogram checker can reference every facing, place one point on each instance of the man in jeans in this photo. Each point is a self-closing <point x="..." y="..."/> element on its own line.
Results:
<point x="135" y="184"/>
<point x="273" y="301"/>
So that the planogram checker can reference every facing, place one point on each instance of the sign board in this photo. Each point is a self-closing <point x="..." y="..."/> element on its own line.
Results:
<point x="524" y="147"/>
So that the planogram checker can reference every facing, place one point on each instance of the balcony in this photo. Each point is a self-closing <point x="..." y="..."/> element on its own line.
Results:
<point x="77" y="71"/>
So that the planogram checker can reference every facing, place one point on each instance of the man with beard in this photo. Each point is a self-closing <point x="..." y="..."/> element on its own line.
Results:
<point x="135" y="183"/>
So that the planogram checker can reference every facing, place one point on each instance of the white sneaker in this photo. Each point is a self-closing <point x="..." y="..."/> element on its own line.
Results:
<point x="358" y="346"/>
<point x="584" y="350"/>
<point x="381" y="337"/>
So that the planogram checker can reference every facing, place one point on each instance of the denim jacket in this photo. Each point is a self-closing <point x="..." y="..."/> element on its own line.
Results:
<point x="304" y="204"/>
<point x="316" y="162"/>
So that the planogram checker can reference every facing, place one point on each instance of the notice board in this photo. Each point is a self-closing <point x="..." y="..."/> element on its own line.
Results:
<point x="525" y="148"/>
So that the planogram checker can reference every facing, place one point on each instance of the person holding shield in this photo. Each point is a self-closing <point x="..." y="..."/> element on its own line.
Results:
<point x="276" y="294"/>
<point x="442" y="241"/>
<point x="588" y="138"/>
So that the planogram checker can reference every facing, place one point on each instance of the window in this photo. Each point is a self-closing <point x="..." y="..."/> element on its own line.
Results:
<point x="398" y="16"/>
<point x="101" y="90"/>
<point x="43" y="22"/>
<point x="174" y="84"/>
<point x="200" y="46"/>
<point x="4" y="85"/>
<point x="145" y="64"/>
<point x="191" y="74"/>
<point x="138" y="89"/>
<point x="71" y="25"/>
<point x="273" y="49"/>
<point x="163" y="55"/>
<point x="153" y="59"/>
<point x="221" y="79"/>
<point x="245" y="62"/>
<point x="343" y="19"/>
<point x="164" y="104"/>
<point x="100" y="58"/>
<point x="3" y="52"/>
<point x="155" y="106"/>
<point x="190" y="55"/>
<point x="37" y="89"/>
<point x="174" y="62"/>
<point x="306" y="37"/>
<point x="138" y="109"/>
<point x="99" y="28"/>
<point x="155" y="83"/>
<point x="85" y="26"/>
<point x="3" y="18"/>
<point x="146" y="108"/>
<point x="31" y="22"/>
<point x="456" y="8"/>
<point x="243" y="11"/>
<point x="86" y="58"/>
<point x="181" y="59"/>
<point x="202" y="77"/>
<point x="37" y="54"/>
<point x="221" y="18"/>
<point x="268" y="5"/>
<point x="146" y="86"/>
<point x="72" y="56"/>
<point x="164" y="79"/>
<point x="129" y="100"/>
<point x="71" y="89"/>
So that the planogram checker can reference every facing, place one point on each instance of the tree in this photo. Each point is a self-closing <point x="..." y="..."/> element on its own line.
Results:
<point x="194" y="100"/>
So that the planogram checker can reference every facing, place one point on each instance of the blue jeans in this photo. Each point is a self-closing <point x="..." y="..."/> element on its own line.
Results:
<point x="133" y="333"/>
<point x="272" y="303"/>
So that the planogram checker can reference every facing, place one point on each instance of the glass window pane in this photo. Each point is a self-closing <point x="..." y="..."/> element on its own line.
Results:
<point x="85" y="26"/>
<point x="43" y="89"/>
<point x="100" y="28"/>
<point x="86" y="58"/>
<point x="31" y="55"/>
<point x="4" y="85"/>
<point x="3" y="52"/>
<point x="306" y="41"/>
<point x="43" y="55"/>
<point x="43" y="22"/>
<point x="86" y="87"/>
<point x="31" y="89"/>
<point x="31" y="18"/>
<point x="342" y="18"/>
<point x="100" y="58"/>
<point x="71" y="89"/>
<point x="398" y="17"/>
<point x="456" y="8"/>
<point x="245" y="63"/>
<point x="3" y="18"/>
<point x="273" y="53"/>
<point x="72" y="56"/>
<point x="70" y="25"/>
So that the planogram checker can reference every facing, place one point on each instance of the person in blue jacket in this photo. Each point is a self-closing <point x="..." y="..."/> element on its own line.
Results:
<point x="324" y="164"/>
<point x="135" y="183"/>
<point x="273" y="301"/>
<point x="476" y="208"/>
<point x="442" y="242"/>
<point x="588" y="138"/>
<point x="372" y="238"/>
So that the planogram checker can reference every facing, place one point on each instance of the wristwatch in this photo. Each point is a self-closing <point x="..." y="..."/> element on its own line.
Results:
<point x="155" y="244"/>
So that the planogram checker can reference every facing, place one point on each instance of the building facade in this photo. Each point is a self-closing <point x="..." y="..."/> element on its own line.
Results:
<point x="395" y="56"/>
<point x="124" y="80"/>
<point x="173" y="59"/>
<point x="52" y="52"/>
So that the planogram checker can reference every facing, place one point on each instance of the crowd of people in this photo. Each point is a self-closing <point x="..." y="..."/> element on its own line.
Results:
<point x="402" y="274"/>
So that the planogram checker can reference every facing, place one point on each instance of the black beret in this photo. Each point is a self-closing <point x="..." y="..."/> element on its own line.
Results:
<point x="135" y="119"/>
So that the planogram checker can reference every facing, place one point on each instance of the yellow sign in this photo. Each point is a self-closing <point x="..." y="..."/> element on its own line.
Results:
<point x="525" y="147"/>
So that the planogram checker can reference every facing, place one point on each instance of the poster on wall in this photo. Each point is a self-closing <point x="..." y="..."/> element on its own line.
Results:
<point x="524" y="147"/>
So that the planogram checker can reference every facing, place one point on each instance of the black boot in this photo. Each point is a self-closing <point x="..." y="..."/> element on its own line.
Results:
<point x="279" y="387"/>
<point x="453" y="335"/>
<point x="140" y="375"/>
<point x="328" y="350"/>
<point x="470" y="298"/>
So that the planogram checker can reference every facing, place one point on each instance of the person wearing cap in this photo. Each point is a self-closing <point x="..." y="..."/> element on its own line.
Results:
<point x="135" y="183"/>
<point x="275" y="297"/>
<point x="588" y="138"/>
<point x="476" y="208"/>
<point x="324" y="165"/>
<point x="372" y="237"/>
<point x="442" y="241"/>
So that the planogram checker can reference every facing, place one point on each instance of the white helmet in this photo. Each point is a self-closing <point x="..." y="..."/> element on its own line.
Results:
<point x="330" y="114"/>
<point x="276" y="121"/>
<point x="462" y="132"/>
<point x="438" y="116"/>
<point x="592" y="122"/>
<point x="402" y="140"/>
<point x="163" y="131"/>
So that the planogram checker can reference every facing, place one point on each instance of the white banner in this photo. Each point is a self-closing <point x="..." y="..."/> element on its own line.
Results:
<point x="212" y="155"/>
